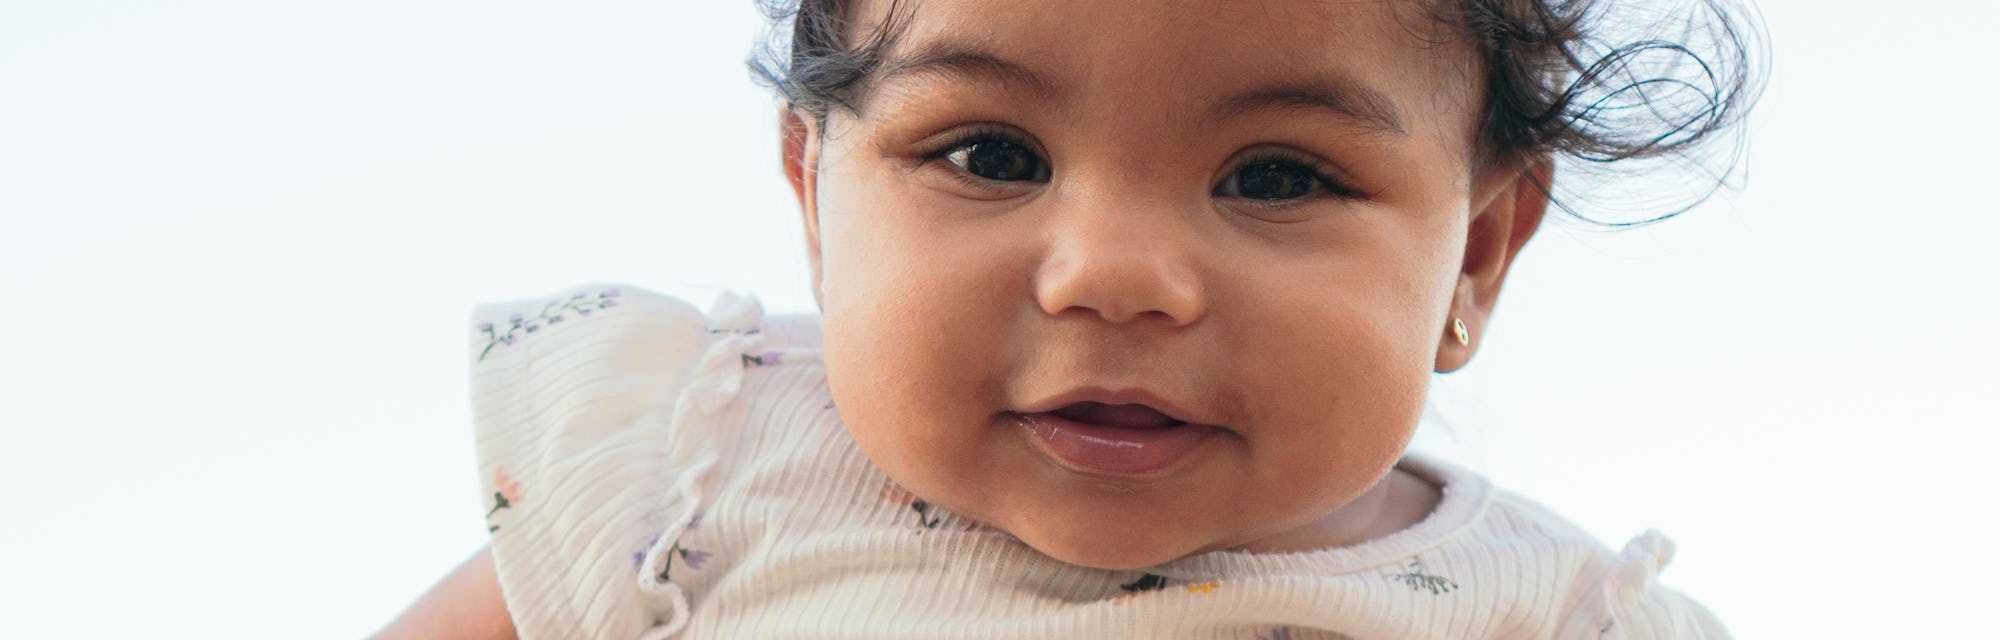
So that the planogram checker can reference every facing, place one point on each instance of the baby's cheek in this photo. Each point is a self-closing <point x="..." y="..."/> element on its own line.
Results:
<point x="1341" y="397"/>
<point x="905" y="365"/>
<point x="917" y="360"/>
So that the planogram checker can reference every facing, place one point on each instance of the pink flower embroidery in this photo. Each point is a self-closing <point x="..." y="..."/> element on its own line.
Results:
<point x="509" y="493"/>
<point x="895" y="493"/>
<point x="976" y="526"/>
<point x="510" y="490"/>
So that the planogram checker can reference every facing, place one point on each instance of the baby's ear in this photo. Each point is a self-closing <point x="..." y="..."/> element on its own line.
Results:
<point x="1507" y="209"/>
<point x="799" y="133"/>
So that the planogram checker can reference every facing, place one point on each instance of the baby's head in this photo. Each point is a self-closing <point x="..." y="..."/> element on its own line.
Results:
<point x="1135" y="281"/>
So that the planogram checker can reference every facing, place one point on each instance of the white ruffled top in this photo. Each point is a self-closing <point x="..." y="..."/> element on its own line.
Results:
<point x="651" y="471"/>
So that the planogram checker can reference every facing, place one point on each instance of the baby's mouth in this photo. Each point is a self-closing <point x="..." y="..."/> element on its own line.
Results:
<point x="1125" y="416"/>
<point x="1115" y="439"/>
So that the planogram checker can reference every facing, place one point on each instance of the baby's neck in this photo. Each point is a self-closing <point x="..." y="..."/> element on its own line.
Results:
<point x="1399" y="501"/>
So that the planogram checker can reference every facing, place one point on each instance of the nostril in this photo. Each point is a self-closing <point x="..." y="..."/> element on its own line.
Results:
<point x="1119" y="314"/>
<point x="1118" y="302"/>
<point x="1120" y="279"/>
<point x="1158" y="315"/>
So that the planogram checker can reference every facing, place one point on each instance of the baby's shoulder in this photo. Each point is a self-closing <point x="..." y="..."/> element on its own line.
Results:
<point x="596" y="411"/>
<point x="1474" y="510"/>
<point x="1604" y="593"/>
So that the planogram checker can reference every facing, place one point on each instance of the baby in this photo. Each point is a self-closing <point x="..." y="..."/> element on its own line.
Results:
<point x="1129" y="311"/>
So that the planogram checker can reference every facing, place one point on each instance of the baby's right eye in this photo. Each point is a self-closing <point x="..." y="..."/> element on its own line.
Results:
<point x="998" y="159"/>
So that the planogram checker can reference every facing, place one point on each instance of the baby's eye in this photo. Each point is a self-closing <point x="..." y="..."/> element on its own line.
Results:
<point x="997" y="160"/>
<point x="1271" y="179"/>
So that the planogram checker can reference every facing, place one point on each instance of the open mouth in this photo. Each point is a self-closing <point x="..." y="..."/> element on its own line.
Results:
<point x="1127" y="416"/>
<point x="1120" y="439"/>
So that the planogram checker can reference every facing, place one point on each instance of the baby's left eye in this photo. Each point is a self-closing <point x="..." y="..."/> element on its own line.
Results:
<point x="1270" y="179"/>
<point x="997" y="160"/>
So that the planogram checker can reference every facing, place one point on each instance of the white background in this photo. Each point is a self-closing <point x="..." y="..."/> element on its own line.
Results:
<point x="238" y="242"/>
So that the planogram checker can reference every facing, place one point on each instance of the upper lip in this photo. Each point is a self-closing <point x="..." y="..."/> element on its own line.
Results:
<point x="1102" y="395"/>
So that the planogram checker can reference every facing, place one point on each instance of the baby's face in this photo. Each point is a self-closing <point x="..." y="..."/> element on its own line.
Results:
<point x="1134" y="282"/>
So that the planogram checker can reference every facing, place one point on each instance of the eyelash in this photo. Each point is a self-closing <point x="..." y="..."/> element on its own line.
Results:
<point x="1318" y="169"/>
<point x="976" y="135"/>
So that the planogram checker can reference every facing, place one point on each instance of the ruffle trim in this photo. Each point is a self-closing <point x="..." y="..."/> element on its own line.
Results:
<point x="714" y="384"/>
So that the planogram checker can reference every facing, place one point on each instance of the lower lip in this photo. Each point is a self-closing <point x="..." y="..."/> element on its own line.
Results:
<point x="1115" y="450"/>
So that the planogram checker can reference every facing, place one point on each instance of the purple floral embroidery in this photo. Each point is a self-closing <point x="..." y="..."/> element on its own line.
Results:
<point x="639" y="557"/>
<point x="693" y="558"/>
<point x="556" y="311"/>
<point x="690" y="557"/>
<point x="766" y="359"/>
<point x="1417" y="580"/>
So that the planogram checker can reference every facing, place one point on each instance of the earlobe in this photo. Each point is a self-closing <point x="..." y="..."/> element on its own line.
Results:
<point x="1505" y="216"/>
<point x="800" y="136"/>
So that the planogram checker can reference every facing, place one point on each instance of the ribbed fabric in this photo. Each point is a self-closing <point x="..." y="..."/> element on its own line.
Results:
<point x="665" y="474"/>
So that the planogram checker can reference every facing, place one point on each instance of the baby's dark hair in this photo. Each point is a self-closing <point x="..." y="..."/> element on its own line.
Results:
<point x="1618" y="90"/>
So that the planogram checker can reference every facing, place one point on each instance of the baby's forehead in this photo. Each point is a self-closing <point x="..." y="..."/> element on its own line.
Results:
<point x="1388" y="66"/>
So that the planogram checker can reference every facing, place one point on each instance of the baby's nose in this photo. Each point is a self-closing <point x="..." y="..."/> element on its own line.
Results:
<point x="1122" y="270"/>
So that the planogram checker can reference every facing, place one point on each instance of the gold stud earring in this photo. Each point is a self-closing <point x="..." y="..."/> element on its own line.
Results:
<point x="1458" y="331"/>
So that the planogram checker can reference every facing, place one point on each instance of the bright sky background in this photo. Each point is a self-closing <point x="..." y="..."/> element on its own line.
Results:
<point x="239" y="240"/>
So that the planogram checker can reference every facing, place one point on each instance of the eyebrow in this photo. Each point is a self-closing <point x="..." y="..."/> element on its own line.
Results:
<point x="954" y="59"/>
<point x="1335" y="92"/>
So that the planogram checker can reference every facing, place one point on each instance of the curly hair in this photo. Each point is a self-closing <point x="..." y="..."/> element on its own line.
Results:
<point x="1617" y="91"/>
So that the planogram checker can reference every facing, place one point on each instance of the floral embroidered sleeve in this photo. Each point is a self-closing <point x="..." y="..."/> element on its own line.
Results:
<point x="572" y="398"/>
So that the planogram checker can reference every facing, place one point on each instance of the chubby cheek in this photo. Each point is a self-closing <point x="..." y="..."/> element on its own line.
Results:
<point x="1339" y="357"/>
<point x="1353" y="407"/>
<point x="914" y="320"/>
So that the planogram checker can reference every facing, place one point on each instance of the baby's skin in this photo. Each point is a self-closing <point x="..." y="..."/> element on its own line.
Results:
<point x="1138" y="285"/>
<point x="1133" y="285"/>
